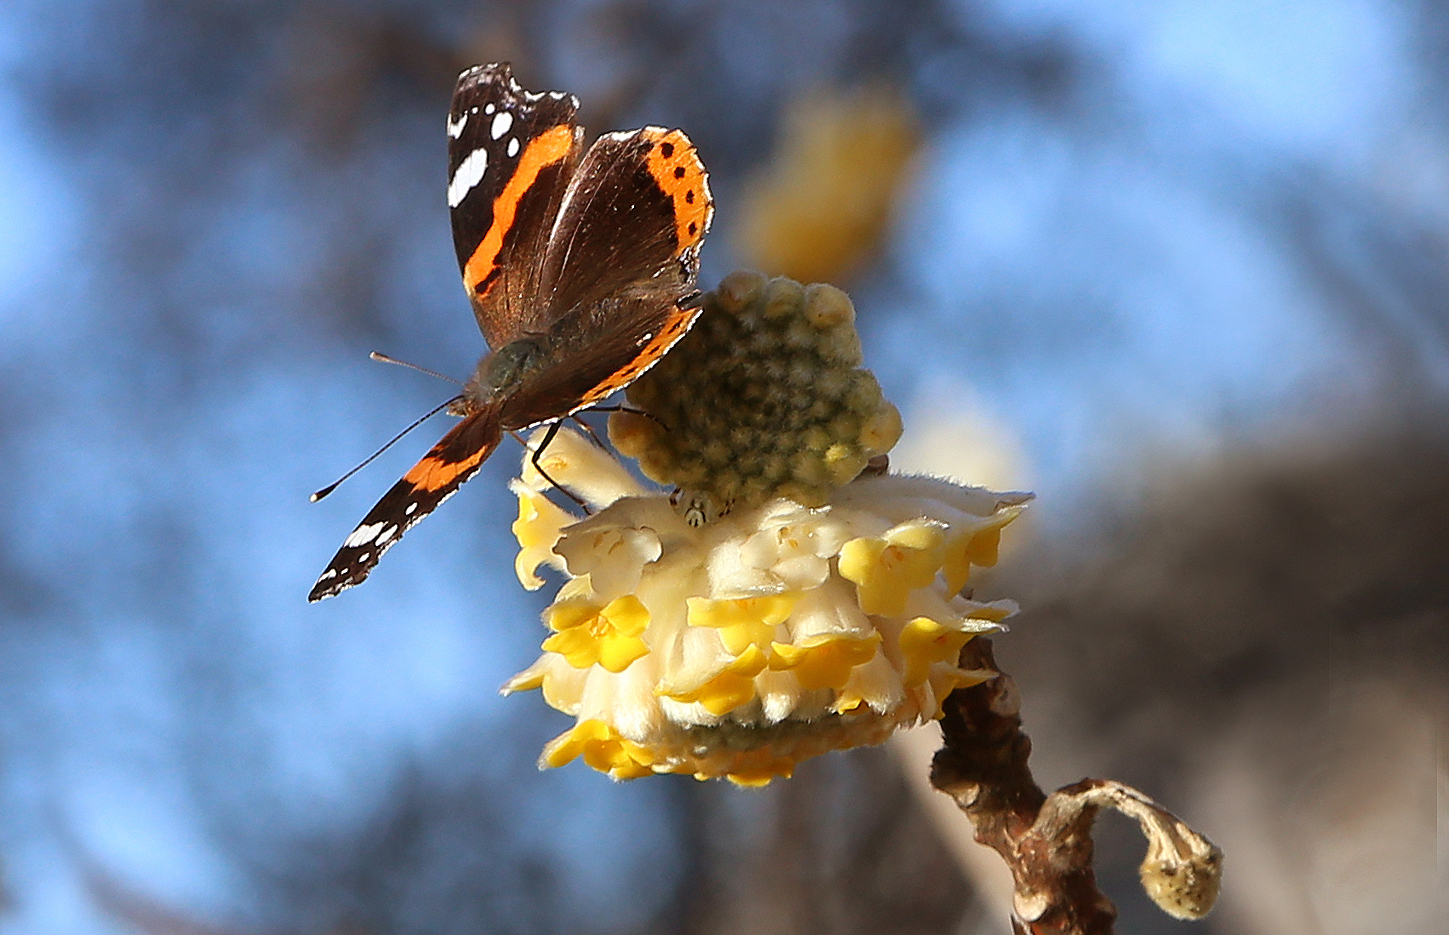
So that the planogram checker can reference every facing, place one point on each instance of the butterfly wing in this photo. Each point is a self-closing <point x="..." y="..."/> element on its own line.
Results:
<point x="619" y="269"/>
<point x="454" y="459"/>
<point x="511" y="154"/>
<point x="633" y="216"/>
<point x="598" y="255"/>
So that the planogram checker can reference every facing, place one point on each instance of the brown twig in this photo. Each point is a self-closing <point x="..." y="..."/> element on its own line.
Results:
<point x="1046" y="840"/>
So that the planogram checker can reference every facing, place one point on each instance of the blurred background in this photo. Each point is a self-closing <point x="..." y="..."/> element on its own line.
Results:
<point x="1178" y="266"/>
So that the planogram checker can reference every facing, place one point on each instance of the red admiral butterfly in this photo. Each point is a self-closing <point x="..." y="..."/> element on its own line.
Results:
<point x="580" y="265"/>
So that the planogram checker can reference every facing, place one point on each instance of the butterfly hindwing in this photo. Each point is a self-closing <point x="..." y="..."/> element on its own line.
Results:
<point x="454" y="459"/>
<point x="651" y="321"/>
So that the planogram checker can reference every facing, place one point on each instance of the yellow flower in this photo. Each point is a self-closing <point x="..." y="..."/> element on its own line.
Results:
<point x="825" y="200"/>
<point x="943" y="681"/>
<point x="825" y="662"/>
<point x="875" y="685"/>
<point x="561" y="683"/>
<point x="602" y="748"/>
<point x="537" y="528"/>
<point x="732" y="687"/>
<point x="888" y="568"/>
<point x="925" y="642"/>
<point x="978" y="546"/>
<point x="586" y="633"/>
<point x="758" y="768"/>
<point x="742" y="622"/>
<point x="739" y="646"/>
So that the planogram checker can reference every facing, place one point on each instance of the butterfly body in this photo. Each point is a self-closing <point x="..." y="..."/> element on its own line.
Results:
<point x="579" y="265"/>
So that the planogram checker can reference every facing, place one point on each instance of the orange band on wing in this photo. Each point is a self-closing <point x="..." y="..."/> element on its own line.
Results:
<point x="676" y="166"/>
<point x="543" y="151"/>
<point x="433" y="473"/>
<point x="669" y="334"/>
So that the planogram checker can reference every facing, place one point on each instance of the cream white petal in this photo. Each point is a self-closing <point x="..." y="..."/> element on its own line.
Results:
<point x="732" y="576"/>
<point x="584" y="468"/>
<point x="829" y="610"/>
<point x="780" y="695"/>
<point x="612" y="556"/>
<point x="901" y="497"/>
<point x="877" y="684"/>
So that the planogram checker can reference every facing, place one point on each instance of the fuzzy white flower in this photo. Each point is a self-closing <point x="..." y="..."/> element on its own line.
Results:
<point x="740" y="646"/>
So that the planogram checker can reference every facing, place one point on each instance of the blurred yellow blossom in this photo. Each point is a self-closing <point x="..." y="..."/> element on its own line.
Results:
<point x="824" y="202"/>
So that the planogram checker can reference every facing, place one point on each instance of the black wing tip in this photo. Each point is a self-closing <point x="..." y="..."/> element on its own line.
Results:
<point x="331" y="584"/>
<point x="503" y="70"/>
<point x="501" y="73"/>
<point x="353" y="563"/>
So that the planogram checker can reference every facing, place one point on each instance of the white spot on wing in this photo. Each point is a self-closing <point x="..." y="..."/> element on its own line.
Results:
<point x="455" y="130"/>
<point x="470" y="173"/>
<point x="488" y="109"/>
<point x="412" y="508"/>
<point x="502" y="122"/>
<point x="363" y="535"/>
<point x="386" y="534"/>
<point x="513" y="147"/>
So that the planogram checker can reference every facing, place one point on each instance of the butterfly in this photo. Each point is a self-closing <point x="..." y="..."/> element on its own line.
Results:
<point x="580" y="265"/>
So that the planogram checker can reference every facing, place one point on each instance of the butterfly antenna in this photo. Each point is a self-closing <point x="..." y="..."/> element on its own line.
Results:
<point x="395" y="439"/>
<point x="382" y="358"/>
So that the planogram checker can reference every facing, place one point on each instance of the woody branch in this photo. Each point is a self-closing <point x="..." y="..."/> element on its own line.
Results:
<point x="1046" y="840"/>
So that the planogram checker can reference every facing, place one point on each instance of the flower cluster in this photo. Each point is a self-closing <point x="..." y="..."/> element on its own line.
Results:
<point x="738" y="640"/>
<point x="764" y="398"/>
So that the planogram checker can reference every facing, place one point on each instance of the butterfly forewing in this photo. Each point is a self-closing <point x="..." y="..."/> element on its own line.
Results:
<point x="455" y="458"/>
<point x="511" y="154"/>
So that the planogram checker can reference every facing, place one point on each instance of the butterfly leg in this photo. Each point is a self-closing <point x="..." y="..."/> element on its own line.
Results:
<point x="538" y="466"/>
<point x="589" y="429"/>
<point x="630" y="409"/>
